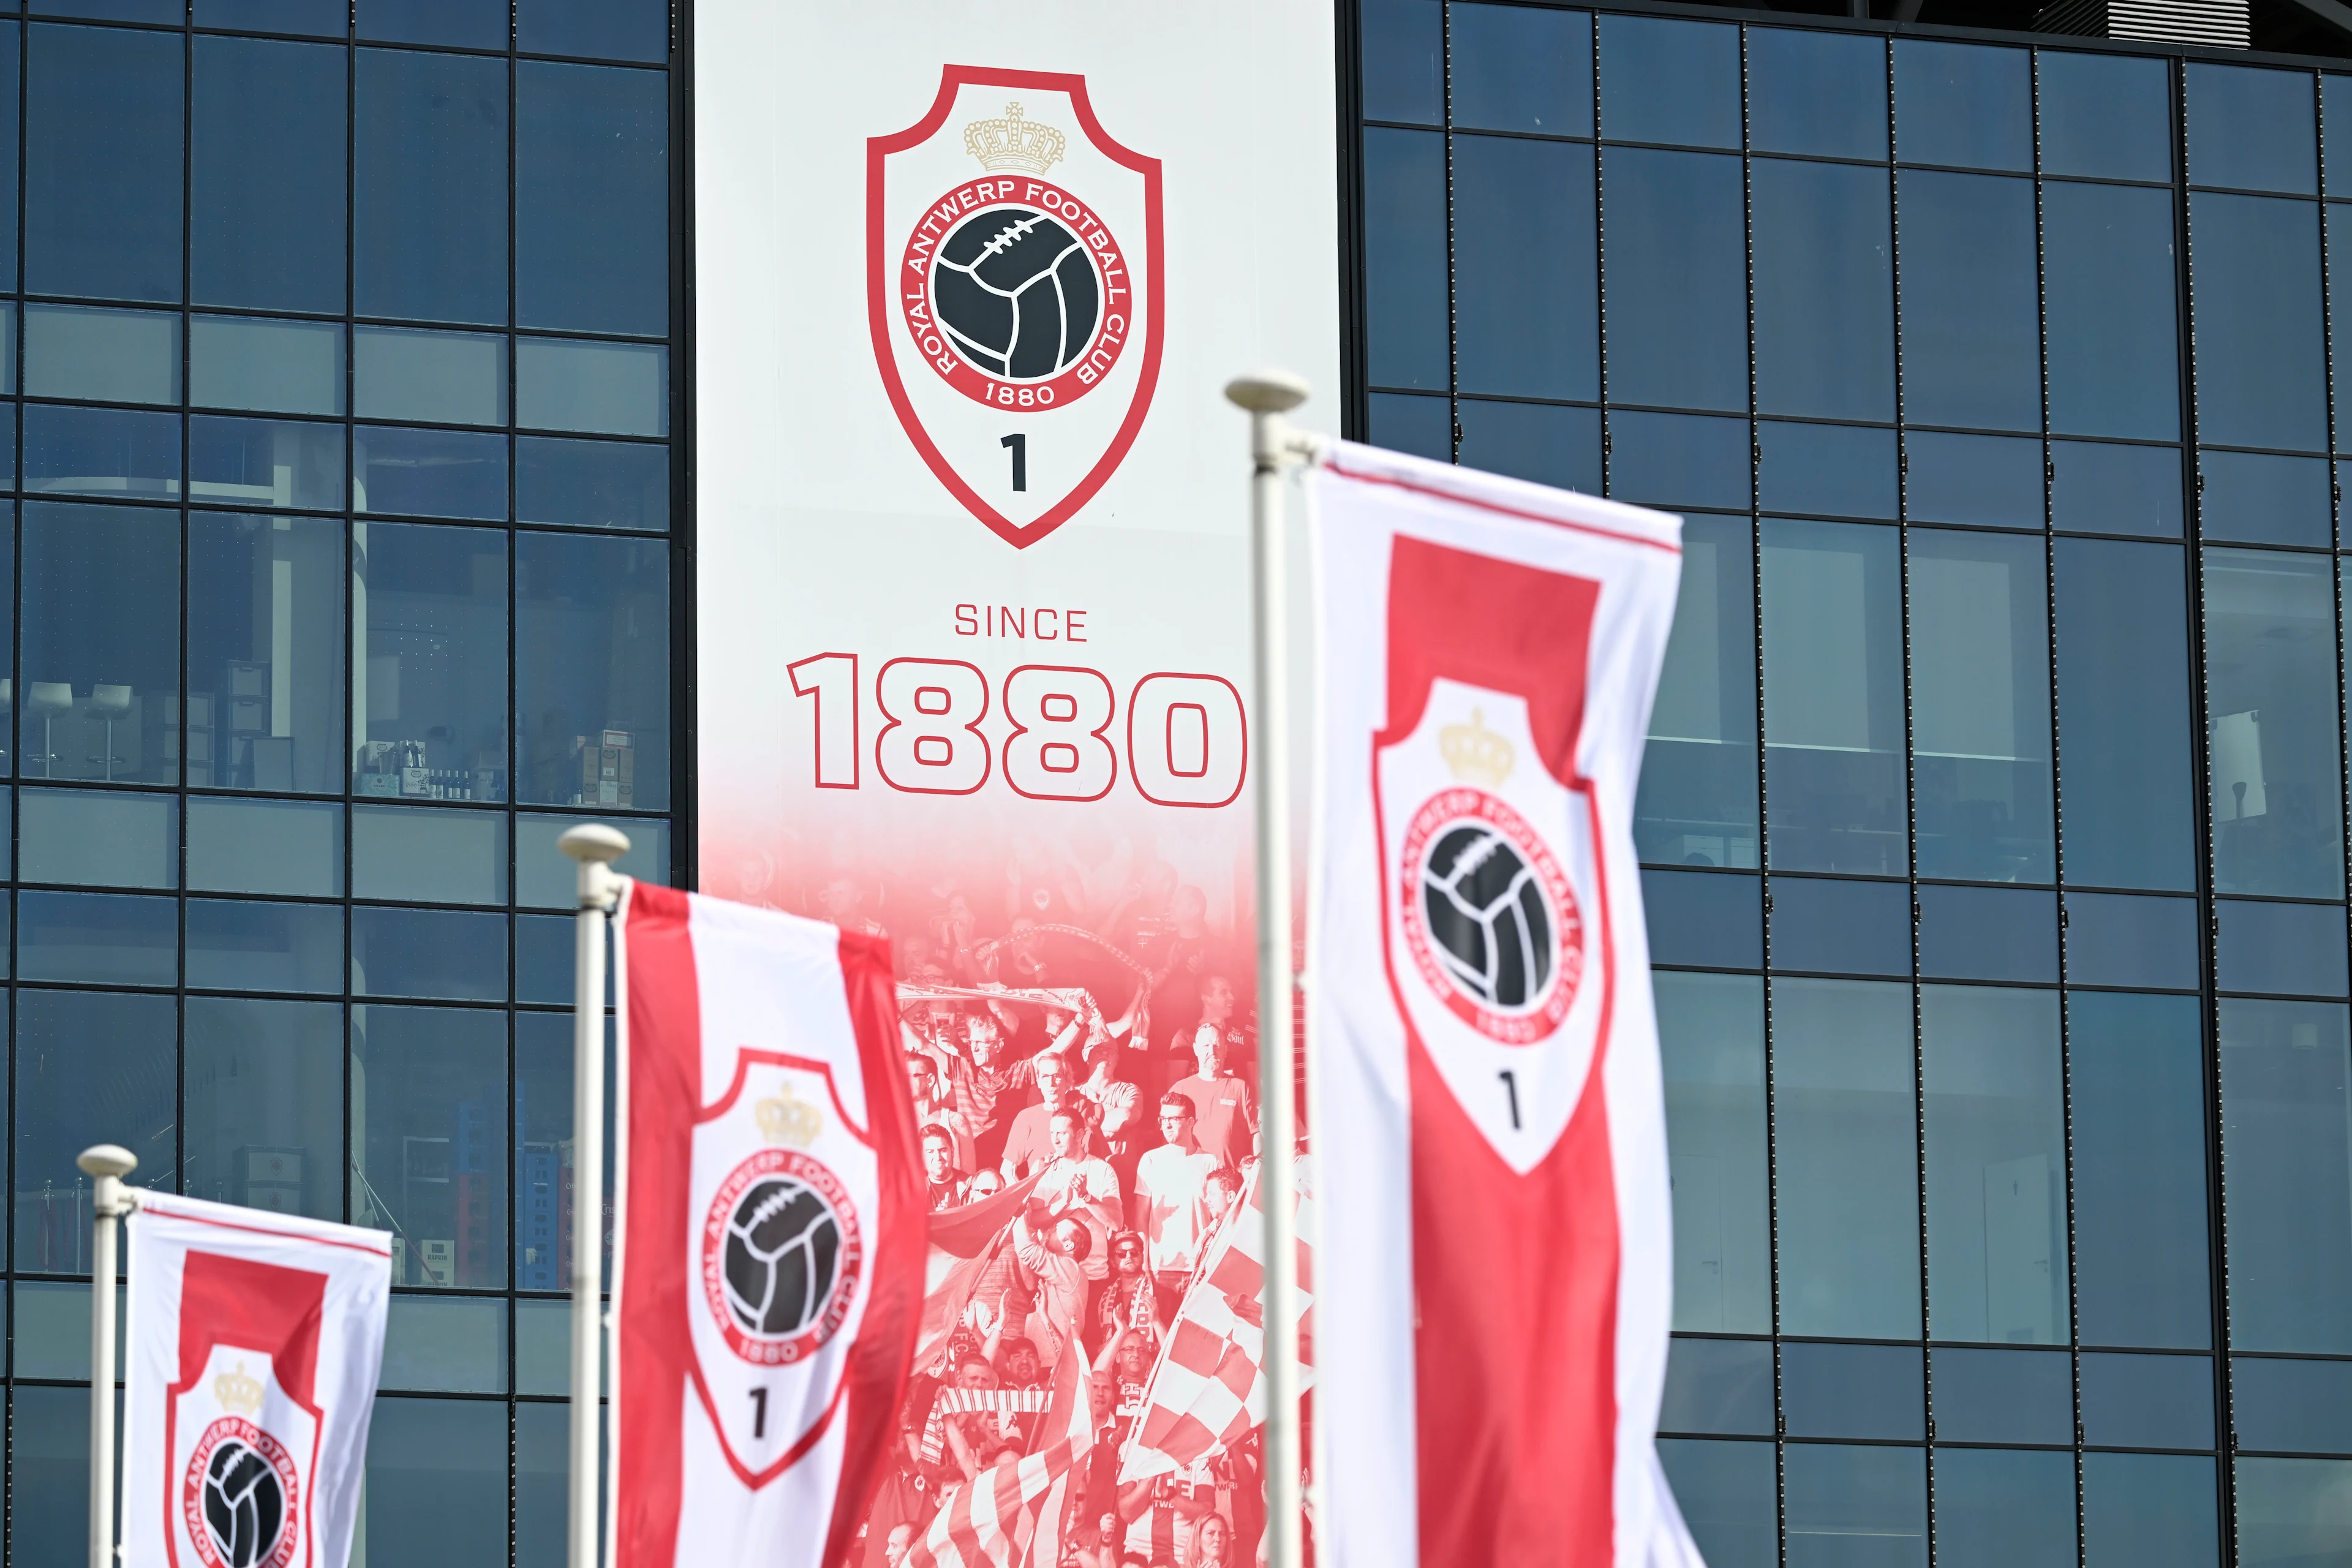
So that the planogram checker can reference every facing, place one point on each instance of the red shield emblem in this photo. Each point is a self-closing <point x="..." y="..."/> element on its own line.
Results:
<point x="1014" y="293"/>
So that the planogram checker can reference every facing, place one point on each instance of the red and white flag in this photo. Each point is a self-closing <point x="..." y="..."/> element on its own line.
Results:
<point x="253" y="1340"/>
<point x="770" y="1257"/>
<point x="1498" y="1251"/>
<point x="1013" y="1513"/>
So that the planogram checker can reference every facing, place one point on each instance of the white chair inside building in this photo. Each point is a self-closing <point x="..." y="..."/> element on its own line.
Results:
<point x="48" y="699"/>
<point x="112" y="704"/>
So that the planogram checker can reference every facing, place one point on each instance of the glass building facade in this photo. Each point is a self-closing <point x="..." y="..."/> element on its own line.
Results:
<point x="1994" y="805"/>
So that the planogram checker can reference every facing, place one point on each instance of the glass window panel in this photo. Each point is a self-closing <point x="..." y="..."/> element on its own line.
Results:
<point x="1996" y="1137"/>
<point x="2004" y="1508"/>
<point x="1971" y="320"/>
<point x="425" y="856"/>
<point x="1981" y="706"/>
<point x="169" y="12"/>
<point x="1853" y="1391"/>
<point x="1420" y="425"/>
<point x="48" y="1473"/>
<point x="2105" y="117"/>
<point x="12" y="58"/>
<point x="1697" y="800"/>
<point x="2002" y="1396"/>
<point x="8" y="328"/>
<point x="2265" y="498"/>
<point x="543" y="1058"/>
<point x="541" y="1478"/>
<point x="1698" y="918"/>
<point x="543" y="1333"/>
<point x="450" y="378"/>
<point x="1845" y="1131"/>
<point x="282" y="367"/>
<point x="1728" y="1495"/>
<point x="1835" y="1494"/>
<point x="2262" y="375"/>
<point x="468" y="23"/>
<point x="2137" y="1087"/>
<point x="101" y="838"/>
<point x="1676" y="260"/>
<point x="445" y="1344"/>
<point x="609" y="389"/>
<point x="1517" y="69"/>
<point x="444" y="955"/>
<point x="1846" y="470"/>
<point x="2336" y="109"/>
<point x="2115" y="938"/>
<point x="1822" y="93"/>
<point x="2124" y="714"/>
<point x="1711" y="1037"/>
<point x="428" y="1110"/>
<point x="428" y="473"/>
<point x="104" y="121"/>
<point x="108" y="452"/>
<point x="1854" y="928"/>
<point x="438" y="1460"/>
<point x="594" y="484"/>
<point x="545" y="878"/>
<point x="266" y="462"/>
<point x="592" y="698"/>
<point x="1538" y="441"/>
<point x="543" y="958"/>
<point x="2256" y="130"/>
<point x="2278" y="774"/>
<point x="270" y="128"/>
<point x="2337" y="217"/>
<point x="1679" y="460"/>
<point x="2147" y="1400"/>
<point x="596" y="29"/>
<point x="1718" y="1385"/>
<point x="109" y="356"/>
<point x="1405" y="257"/>
<point x="1989" y="933"/>
<point x="428" y="681"/>
<point x="1825" y="282"/>
<point x="235" y="946"/>
<point x="1403" y="61"/>
<point x="2112" y="316"/>
<point x="265" y="649"/>
<point x="92" y="1066"/>
<point x="591" y="197"/>
<point x="311" y="18"/>
<point x="1963" y="104"/>
<point x="98" y="939"/>
<point x="429" y="225"/>
<point x="2296" y="1406"/>
<point x="2291" y="1512"/>
<point x="2115" y="489"/>
<point x="52" y="1324"/>
<point x="2147" y="1510"/>
<point x="1669" y="81"/>
<point x="1832" y="695"/>
<point x="101" y="633"/>
<point x="265" y="1091"/>
<point x="2294" y="950"/>
<point x="2286" y="1163"/>
<point x="1526" y="300"/>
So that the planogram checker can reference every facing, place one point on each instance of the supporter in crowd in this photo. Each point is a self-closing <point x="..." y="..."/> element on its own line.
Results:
<point x="1129" y="1291"/>
<point x="1052" y="1250"/>
<point x="1227" y="1110"/>
<point x="948" y="1184"/>
<point x="1030" y="1142"/>
<point x="1073" y="1181"/>
<point x="933" y="1108"/>
<point x="1169" y="1207"/>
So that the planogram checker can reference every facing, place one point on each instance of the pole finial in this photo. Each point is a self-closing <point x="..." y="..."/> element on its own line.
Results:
<point x="106" y="1160"/>
<point x="593" y="841"/>
<point x="1267" y="391"/>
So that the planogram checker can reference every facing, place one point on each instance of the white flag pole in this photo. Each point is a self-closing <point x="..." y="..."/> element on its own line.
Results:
<point x="107" y="1163"/>
<point x="1274" y="446"/>
<point x="594" y="846"/>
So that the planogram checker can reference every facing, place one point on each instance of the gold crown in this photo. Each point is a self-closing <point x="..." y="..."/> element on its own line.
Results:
<point x="1013" y="142"/>
<point x="1474" y="752"/>
<point x="784" y="1119"/>
<point x="239" y="1391"/>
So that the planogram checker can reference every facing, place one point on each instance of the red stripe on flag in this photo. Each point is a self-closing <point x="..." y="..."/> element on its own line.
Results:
<point x="1195" y="1349"/>
<point x="1237" y="1370"/>
<point x="1238" y="1274"/>
<point x="1183" y="1438"/>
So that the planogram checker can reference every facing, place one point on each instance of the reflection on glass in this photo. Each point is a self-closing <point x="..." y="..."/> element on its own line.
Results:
<point x="428" y="679"/>
<point x="2290" y="1510"/>
<point x="2136" y="1083"/>
<point x="2286" y="1161"/>
<point x="1726" y="1493"/>
<point x="1971" y="322"/>
<point x="2256" y="130"/>
<point x="428" y="1112"/>
<point x="450" y="955"/>
<point x="2277" y="800"/>
<point x="2112" y="315"/>
<point x="2262" y="372"/>
<point x="2004" y="1508"/>
<point x="1833" y="696"/>
<point x="98" y="939"/>
<point x="268" y="123"/>
<point x="1677" y="261"/>
<point x="2148" y="1511"/>
<point x="265" y="462"/>
<point x="1669" y="81"/>
<point x="101" y="656"/>
<point x="429" y="473"/>
<point x="265" y="1084"/>
<point x="265" y="652"/>
<point x="1822" y="93"/>
<point x="591" y="693"/>
<point x="543" y="1466"/>
<point x="2124" y="720"/>
<point x="110" y="452"/>
<point x="92" y="1066"/>
<point x="238" y="946"/>
<point x="1825" y="282"/>
<point x="1963" y="104"/>
<point x="1405" y="257"/>
<point x="444" y="1344"/>
<point x="1981" y="706"/>
<point x="542" y="1114"/>
<point x="1711" y="1036"/>
<point x="1845" y="1131"/>
<point x="429" y="183"/>
<point x="442" y="1460"/>
<point x="1698" y="801"/>
<point x="103" y="193"/>
<point x="1404" y="66"/>
<point x="1527" y="310"/>
<point x="48" y="1471"/>
<point x="2105" y="117"/>
<point x="592" y="194"/>
<point x="591" y="484"/>
<point x="1836" y="1493"/>
<point x="1521" y="70"/>
<point x="1995" y="1133"/>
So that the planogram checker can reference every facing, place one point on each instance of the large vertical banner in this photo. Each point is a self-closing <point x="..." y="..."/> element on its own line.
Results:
<point x="973" y="636"/>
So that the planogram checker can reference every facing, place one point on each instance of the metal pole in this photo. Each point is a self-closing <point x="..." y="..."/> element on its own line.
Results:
<point x="1273" y="444"/>
<point x="107" y="1163"/>
<point x="594" y="846"/>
